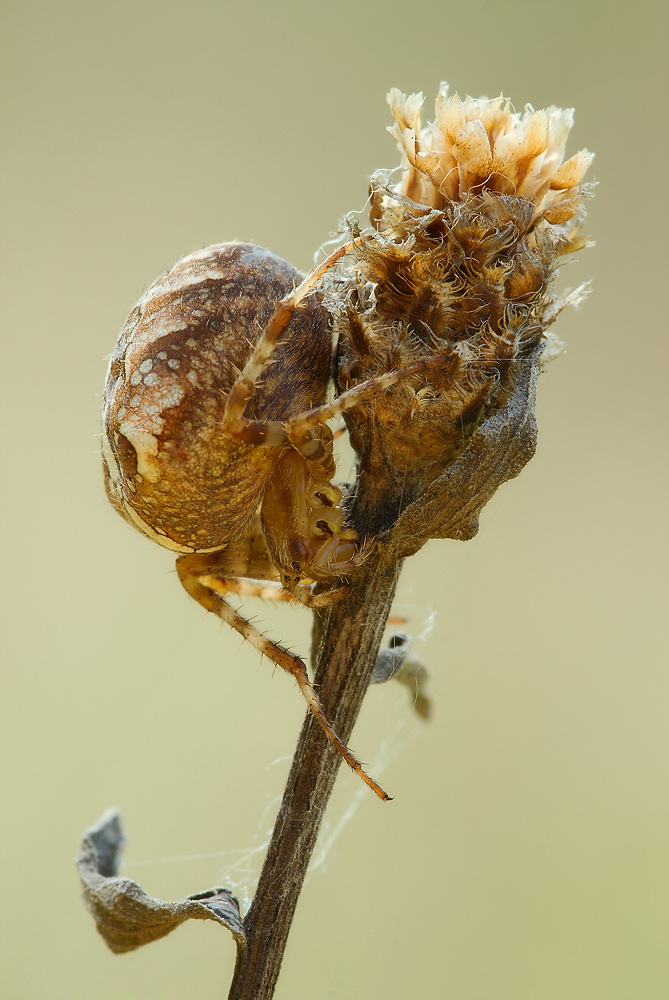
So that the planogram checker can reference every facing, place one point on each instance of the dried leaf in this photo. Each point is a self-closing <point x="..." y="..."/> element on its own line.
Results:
<point x="128" y="917"/>
<point x="496" y="452"/>
<point x="399" y="661"/>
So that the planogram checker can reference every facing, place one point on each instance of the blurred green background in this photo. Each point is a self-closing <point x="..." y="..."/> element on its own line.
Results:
<point x="524" y="856"/>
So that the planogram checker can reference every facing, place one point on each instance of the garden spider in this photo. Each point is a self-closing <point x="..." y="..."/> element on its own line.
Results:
<point x="216" y="445"/>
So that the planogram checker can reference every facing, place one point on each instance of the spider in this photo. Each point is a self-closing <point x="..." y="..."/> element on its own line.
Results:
<point x="216" y="443"/>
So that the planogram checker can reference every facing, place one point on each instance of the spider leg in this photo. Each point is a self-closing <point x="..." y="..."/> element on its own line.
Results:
<point x="271" y="590"/>
<point x="267" y="590"/>
<point x="246" y="567"/>
<point x="299" y="429"/>
<point x="275" y="433"/>
<point x="270" y="433"/>
<point x="212" y="601"/>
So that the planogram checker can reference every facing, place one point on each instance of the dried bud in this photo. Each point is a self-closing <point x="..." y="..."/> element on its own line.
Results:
<point x="461" y="266"/>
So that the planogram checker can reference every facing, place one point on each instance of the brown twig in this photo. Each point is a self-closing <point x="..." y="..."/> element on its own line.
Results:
<point x="347" y="648"/>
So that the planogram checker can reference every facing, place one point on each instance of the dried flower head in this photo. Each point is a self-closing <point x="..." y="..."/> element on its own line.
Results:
<point x="461" y="266"/>
<point x="479" y="144"/>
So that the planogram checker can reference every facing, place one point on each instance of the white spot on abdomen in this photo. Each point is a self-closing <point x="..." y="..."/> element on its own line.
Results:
<point x="146" y="449"/>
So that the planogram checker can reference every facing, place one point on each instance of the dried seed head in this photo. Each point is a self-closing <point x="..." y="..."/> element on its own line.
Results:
<point x="479" y="144"/>
<point x="461" y="266"/>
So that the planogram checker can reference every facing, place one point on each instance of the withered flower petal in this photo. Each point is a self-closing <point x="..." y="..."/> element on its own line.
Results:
<point x="479" y="144"/>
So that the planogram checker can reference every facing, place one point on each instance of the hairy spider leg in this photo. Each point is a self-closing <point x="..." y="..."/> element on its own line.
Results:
<point x="266" y="590"/>
<point x="277" y="433"/>
<point x="246" y="567"/>
<point x="223" y="573"/>
<point x="269" y="433"/>
<point x="292" y="664"/>
<point x="242" y="567"/>
<point x="299" y="429"/>
<point x="274" y="590"/>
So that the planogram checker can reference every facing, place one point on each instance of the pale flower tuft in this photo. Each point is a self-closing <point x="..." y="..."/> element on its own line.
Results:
<point x="478" y="144"/>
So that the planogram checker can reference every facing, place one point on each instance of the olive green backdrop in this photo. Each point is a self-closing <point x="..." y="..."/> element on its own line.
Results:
<point x="524" y="856"/>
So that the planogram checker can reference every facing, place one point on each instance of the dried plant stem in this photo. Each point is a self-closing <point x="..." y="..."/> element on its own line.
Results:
<point x="348" y="643"/>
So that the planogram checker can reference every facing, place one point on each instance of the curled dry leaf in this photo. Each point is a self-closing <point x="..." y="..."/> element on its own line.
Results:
<point x="125" y="915"/>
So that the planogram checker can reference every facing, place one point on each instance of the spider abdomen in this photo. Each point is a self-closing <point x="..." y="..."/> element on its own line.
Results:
<point x="169" y="468"/>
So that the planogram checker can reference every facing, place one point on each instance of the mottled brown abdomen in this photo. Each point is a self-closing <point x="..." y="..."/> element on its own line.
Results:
<point x="169" y="468"/>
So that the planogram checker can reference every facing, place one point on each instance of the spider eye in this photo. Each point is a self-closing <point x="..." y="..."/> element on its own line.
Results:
<point x="295" y="565"/>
